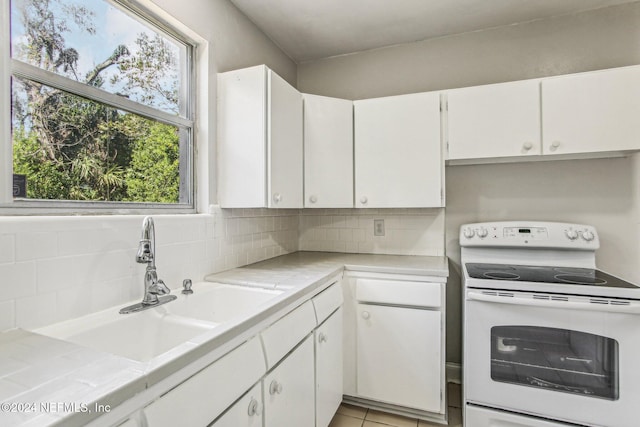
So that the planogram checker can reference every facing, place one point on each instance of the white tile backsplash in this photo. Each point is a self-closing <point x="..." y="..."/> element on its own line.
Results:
<point x="17" y="280"/>
<point x="7" y="248"/>
<point x="7" y="315"/>
<point x="30" y="246"/>
<point x="37" y="310"/>
<point x="407" y="231"/>
<point x="57" y="268"/>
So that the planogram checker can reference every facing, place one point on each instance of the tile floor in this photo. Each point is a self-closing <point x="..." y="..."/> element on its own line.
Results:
<point x="355" y="416"/>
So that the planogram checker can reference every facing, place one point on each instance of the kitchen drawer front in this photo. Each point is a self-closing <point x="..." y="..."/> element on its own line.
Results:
<point x="222" y="382"/>
<point x="484" y="417"/>
<point x="413" y="294"/>
<point x="327" y="302"/>
<point x="279" y="338"/>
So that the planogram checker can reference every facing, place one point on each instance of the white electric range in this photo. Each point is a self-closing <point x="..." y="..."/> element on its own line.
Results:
<point x="549" y="340"/>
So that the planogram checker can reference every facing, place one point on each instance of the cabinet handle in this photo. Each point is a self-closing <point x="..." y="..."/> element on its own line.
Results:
<point x="527" y="146"/>
<point x="313" y="199"/>
<point x="254" y="408"/>
<point x="366" y="315"/>
<point x="554" y="145"/>
<point x="275" y="387"/>
<point x="364" y="200"/>
<point x="322" y="337"/>
<point x="277" y="197"/>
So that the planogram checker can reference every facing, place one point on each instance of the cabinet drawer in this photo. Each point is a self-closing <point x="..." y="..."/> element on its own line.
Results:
<point x="414" y="294"/>
<point x="279" y="338"/>
<point x="327" y="301"/>
<point x="201" y="398"/>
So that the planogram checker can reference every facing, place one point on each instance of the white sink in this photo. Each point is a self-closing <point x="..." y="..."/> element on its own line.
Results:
<point x="139" y="336"/>
<point x="217" y="302"/>
<point x="144" y="335"/>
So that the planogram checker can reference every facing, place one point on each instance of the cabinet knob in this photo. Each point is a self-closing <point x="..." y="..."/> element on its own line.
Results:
<point x="322" y="337"/>
<point x="527" y="146"/>
<point x="554" y="145"/>
<point x="366" y="315"/>
<point x="275" y="387"/>
<point x="313" y="199"/>
<point x="364" y="200"/>
<point x="254" y="408"/>
<point x="277" y="197"/>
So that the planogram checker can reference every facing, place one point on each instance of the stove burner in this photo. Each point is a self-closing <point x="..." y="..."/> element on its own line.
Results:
<point x="577" y="279"/>
<point x="500" y="275"/>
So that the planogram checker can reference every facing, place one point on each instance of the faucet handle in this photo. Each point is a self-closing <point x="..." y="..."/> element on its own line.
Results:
<point x="161" y="288"/>
<point x="186" y="284"/>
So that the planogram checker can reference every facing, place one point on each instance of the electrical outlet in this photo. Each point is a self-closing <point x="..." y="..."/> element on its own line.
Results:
<point x="378" y="227"/>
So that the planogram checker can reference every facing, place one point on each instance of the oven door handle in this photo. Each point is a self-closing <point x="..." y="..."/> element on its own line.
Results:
<point x="631" y="308"/>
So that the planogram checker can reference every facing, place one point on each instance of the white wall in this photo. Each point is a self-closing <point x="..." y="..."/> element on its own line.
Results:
<point x="56" y="268"/>
<point x="586" y="41"/>
<point x="603" y="192"/>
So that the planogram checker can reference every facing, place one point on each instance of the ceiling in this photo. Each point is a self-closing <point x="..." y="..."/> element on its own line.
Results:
<point x="312" y="29"/>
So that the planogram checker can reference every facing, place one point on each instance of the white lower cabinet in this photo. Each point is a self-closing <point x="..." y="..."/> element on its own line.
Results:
<point x="289" y="389"/>
<point x="290" y="375"/>
<point x="399" y="356"/>
<point x="246" y="412"/>
<point x="328" y="338"/>
<point x="204" y="396"/>
<point x="394" y="343"/>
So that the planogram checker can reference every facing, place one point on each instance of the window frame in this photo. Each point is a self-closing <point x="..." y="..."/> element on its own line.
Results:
<point x="186" y="125"/>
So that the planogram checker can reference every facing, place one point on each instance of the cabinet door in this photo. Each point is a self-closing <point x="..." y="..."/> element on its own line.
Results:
<point x="289" y="390"/>
<point x="328" y="152"/>
<point x="284" y="163"/>
<point x="500" y="120"/>
<point x="242" y="168"/>
<point x="328" y="368"/>
<point x="398" y="155"/>
<point x="399" y="356"/>
<point x="246" y="412"/>
<point x="591" y="112"/>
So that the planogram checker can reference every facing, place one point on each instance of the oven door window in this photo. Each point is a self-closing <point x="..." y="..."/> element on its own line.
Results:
<point x="555" y="359"/>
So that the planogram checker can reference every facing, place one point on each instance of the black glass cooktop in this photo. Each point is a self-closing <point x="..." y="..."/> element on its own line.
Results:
<point x="546" y="274"/>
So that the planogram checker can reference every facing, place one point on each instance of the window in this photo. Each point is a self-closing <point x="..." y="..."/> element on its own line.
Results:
<point x="101" y="108"/>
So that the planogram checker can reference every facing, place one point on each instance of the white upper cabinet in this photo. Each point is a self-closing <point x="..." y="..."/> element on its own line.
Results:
<point x="328" y="152"/>
<point x="398" y="152"/>
<point x="259" y="140"/>
<point x="492" y="121"/>
<point x="592" y="112"/>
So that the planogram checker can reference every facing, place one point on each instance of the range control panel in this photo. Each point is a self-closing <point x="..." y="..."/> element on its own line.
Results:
<point x="556" y="235"/>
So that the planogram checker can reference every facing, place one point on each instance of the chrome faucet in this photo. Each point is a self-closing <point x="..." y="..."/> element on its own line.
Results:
<point x="147" y="255"/>
<point x="153" y="286"/>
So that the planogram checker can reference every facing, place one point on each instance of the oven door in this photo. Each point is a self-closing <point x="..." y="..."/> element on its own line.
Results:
<point x="571" y="359"/>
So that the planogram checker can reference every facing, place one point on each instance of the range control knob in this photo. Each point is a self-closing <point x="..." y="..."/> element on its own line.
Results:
<point x="588" y="235"/>
<point x="468" y="233"/>
<point x="482" y="233"/>
<point x="571" y="234"/>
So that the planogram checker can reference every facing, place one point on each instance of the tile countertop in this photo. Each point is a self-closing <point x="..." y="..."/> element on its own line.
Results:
<point x="46" y="381"/>
<point x="297" y="269"/>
